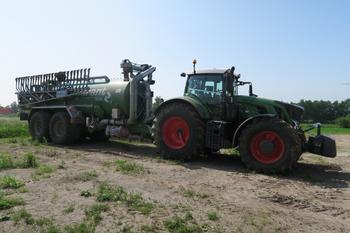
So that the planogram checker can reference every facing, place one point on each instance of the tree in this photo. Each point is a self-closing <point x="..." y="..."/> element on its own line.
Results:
<point x="157" y="101"/>
<point x="14" y="106"/>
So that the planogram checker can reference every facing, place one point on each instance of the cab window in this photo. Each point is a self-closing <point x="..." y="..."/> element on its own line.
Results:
<point x="208" y="87"/>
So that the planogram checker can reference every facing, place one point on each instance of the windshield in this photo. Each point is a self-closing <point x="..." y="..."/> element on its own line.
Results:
<point x="208" y="87"/>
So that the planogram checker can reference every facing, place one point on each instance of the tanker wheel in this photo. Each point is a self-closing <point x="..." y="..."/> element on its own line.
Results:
<point x="62" y="131"/>
<point x="39" y="126"/>
<point x="270" y="146"/>
<point x="99" y="136"/>
<point x="178" y="132"/>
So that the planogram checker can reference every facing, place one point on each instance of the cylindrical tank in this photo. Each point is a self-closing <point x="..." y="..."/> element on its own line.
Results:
<point x="107" y="96"/>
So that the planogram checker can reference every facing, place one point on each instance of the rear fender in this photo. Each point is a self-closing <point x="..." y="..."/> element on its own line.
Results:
<point x="244" y="124"/>
<point x="199" y="107"/>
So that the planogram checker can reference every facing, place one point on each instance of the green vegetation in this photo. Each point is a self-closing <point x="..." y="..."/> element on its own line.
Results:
<point x="85" y="193"/>
<point x="79" y="228"/>
<point x="93" y="214"/>
<point x="10" y="182"/>
<point x="86" y="176"/>
<point x="149" y="229"/>
<point x="68" y="209"/>
<point x="6" y="161"/>
<point x="24" y="215"/>
<point x="8" y="202"/>
<point x="117" y="194"/>
<point x="13" y="127"/>
<point x="213" y="216"/>
<point x="182" y="225"/>
<point x="29" y="161"/>
<point x="343" y="122"/>
<point x="324" y="111"/>
<point x="193" y="194"/>
<point x="128" y="168"/>
<point x="43" y="169"/>
<point x="327" y="129"/>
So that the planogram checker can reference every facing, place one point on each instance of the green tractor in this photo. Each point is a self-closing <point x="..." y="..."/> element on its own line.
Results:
<point x="212" y="116"/>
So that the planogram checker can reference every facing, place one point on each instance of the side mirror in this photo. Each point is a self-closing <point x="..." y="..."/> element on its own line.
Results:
<point x="183" y="74"/>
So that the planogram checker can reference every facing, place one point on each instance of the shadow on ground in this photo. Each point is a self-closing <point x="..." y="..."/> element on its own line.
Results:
<point x="326" y="176"/>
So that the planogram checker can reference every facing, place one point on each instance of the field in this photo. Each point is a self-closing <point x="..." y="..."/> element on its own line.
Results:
<point x="125" y="187"/>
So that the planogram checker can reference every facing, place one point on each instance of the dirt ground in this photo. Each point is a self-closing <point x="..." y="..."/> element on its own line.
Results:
<point x="314" y="197"/>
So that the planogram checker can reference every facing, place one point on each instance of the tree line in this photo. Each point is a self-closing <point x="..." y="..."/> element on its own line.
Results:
<point x="324" y="111"/>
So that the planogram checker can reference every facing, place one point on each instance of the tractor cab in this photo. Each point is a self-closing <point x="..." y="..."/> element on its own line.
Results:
<point x="216" y="88"/>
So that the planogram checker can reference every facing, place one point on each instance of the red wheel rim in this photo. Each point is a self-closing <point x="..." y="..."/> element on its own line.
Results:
<point x="175" y="132"/>
<point x="267" y="147"/>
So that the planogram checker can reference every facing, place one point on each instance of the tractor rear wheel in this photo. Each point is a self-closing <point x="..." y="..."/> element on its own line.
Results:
<point x="39" y="126"/>
<point x="62" y="131"/>
<point x="178" y="132"/>
<point x="270" y="146"/>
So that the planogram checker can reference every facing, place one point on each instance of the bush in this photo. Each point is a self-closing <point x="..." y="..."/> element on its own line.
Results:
<point x="343" y="121"/>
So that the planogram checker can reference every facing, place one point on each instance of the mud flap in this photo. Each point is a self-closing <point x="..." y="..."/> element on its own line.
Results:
<point x="322" y="145"/>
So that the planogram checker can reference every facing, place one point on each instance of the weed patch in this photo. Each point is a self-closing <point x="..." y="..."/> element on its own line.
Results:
<point x="6" y="161"/>
<point x="181" y="225"/>
<point x="10" y="182"/>
<point x="193" y="194"/>
<point x="128" y="168"/>
<point x="117" y="194"/>
<point x="29" y="161"/>
<point x="68" y="209"/>
<point x="93" y="214"/>
<point x="8" y="203"/>
<point x="213" y="216"/>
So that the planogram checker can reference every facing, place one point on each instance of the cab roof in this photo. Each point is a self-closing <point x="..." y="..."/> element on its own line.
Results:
<point x="208" y="71"/>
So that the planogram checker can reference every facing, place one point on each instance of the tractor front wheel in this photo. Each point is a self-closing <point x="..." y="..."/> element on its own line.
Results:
<point x="179" y="132"/>
<point x="62" y="131"/>
<point x="269" y="145"/>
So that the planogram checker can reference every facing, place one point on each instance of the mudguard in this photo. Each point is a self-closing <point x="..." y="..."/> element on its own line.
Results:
<point x="198" y="106"/>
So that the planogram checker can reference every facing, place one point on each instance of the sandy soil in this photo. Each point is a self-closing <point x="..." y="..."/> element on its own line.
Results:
<point x="314" y="197"/>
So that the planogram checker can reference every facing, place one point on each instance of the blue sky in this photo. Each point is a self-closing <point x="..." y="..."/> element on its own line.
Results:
<point x="290" y="50"/>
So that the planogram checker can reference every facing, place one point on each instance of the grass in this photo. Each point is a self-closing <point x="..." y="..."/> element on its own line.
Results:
<point x="181" y="225"/>
<point x="28" y="161"/>
<point x="10" y="182"/>
<point x="193" y="194"/>
<point x="13" y="127"/>
<point x="43" y="169"/>
<point x="327" y="129"/>
<point x="212" y="216"/>
<point x="128" y="168"/>
<point x="117" y="194"/>
<point x="6" y="161"/>
<point x="8" y="202"/>
<point x="68" y="209"/>
<point x="93" y="214"/>
<point x="24" y="215"/>
<point x="79" y="228"/>
<point x="86" y="176"/>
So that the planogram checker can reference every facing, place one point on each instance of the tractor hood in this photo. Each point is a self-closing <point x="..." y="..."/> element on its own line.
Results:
<point x="288" y="112"/>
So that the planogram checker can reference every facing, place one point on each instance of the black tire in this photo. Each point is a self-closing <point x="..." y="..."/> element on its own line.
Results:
<point x="39" y="126"/>
<point x="302" y="141"/>
<point x="269" y="146"/>
<point x="189" y="140"/>
<point x="62" y="131"/>
<point x="99" y="136"/>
